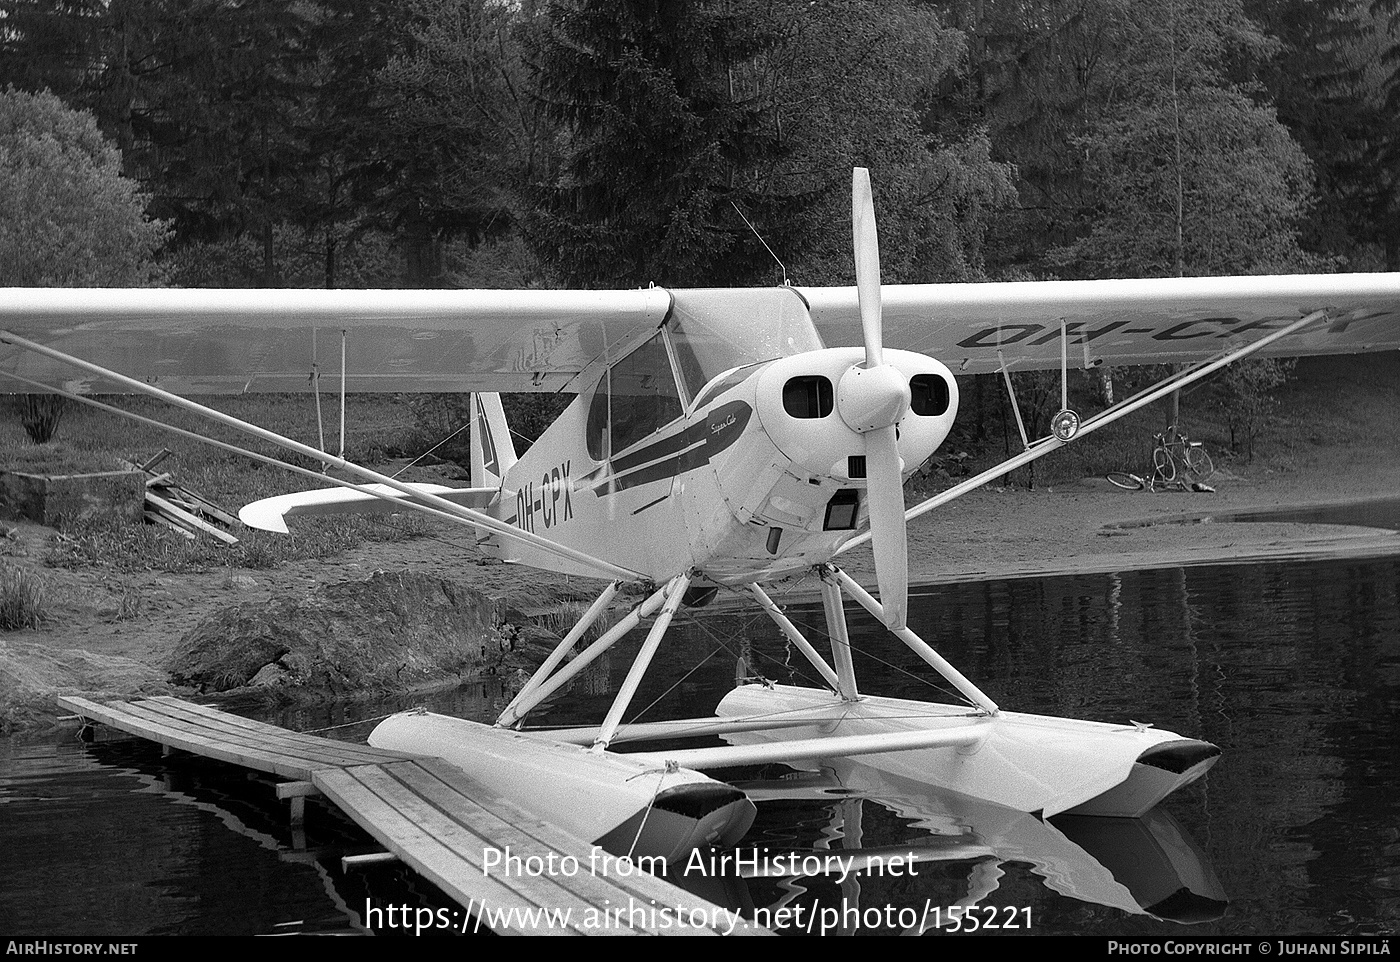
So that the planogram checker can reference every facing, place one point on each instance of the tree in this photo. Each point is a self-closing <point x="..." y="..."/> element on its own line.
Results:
<point x="1244" y="395"/>
<point x="1191" y="175"/>
<point x="660" y="138"/>
<point x="676" y="117"/>
<point x="1327" y="79"/>
<point x="68" y="218"/>
<point x="471" y="136"/>
<point x="1220" y="188"/>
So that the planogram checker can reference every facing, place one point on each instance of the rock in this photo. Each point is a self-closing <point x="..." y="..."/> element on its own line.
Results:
<point x="394" y="631"/>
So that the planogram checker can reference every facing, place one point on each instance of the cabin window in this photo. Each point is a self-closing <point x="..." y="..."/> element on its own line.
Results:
<point x="718" y="330"/>
<point x="642" y="395"/>
<point x="719" y="386"/>
<point x="596" y="431"/>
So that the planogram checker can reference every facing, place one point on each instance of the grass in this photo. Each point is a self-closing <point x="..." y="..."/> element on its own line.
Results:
<point x="91" y="440"/>
<point x="561" y="620"/>
<point x="22" y="599"/>
<point x="133" y="547"/>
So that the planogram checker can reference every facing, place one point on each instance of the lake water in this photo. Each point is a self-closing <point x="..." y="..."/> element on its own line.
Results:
<point x="1292" y="669"/>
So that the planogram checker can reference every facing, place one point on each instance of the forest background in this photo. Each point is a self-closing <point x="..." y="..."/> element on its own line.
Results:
<point x="616" y="143"/>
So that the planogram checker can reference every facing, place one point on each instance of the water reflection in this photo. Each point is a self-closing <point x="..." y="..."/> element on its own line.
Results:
<point x="1374" y="513"/>
<point x="1293" y="670"/>
<point x="107" y="838"/>
<point x="1145" y="866"/>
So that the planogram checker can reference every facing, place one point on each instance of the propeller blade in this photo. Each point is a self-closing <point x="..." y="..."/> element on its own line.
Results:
<point x="885" y="492"/>
<point x="867" y="249"/>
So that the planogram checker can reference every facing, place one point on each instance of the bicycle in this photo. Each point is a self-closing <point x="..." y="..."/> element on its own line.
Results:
<point x="1180" y="455"/>
<point x="1192" y="456"/>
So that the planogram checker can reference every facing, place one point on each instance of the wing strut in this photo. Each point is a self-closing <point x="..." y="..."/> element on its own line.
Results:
<point x="1040" y="448"/>
<point x="420" y="501"/>
<point x="1015" y="408"/>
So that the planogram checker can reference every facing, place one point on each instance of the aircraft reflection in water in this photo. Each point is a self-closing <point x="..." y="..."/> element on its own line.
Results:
<point x="1146" y="866"/>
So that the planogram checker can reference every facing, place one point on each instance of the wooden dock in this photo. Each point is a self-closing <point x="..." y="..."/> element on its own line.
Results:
<point x="430" y="815"/>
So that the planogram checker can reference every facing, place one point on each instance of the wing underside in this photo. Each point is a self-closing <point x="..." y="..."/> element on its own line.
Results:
<point x="218" y="342"/>
<point x="236" y="341"/>
<point x="972" y="327"/>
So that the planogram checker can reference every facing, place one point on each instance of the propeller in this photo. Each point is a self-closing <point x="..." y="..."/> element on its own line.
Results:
<point x="871" y="399"/>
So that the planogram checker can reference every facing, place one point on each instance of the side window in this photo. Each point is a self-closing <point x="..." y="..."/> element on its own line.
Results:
<point x="642" y="394"/>
<point x="596" y="431"/>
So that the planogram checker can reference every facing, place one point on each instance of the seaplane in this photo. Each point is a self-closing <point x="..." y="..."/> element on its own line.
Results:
<point x="718" y="440"/>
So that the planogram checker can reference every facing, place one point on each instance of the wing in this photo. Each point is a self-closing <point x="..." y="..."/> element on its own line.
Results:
<point x="1120" y="321"/>
<point x="231" y="341"/>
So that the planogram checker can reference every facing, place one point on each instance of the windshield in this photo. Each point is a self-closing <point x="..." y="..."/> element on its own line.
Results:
<point x="715" y="331"/>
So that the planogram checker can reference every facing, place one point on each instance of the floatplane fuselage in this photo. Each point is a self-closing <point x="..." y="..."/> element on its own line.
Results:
<point x="733" y="464"/>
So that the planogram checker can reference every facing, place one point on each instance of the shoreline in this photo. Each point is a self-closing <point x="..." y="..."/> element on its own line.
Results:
<point x="91" y="647"/>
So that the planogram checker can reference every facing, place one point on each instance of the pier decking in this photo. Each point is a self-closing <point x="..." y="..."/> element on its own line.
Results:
<point x="431" y="816"/>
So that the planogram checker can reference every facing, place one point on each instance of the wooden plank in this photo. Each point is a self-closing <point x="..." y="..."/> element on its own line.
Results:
<point x="141" y="720"/>
<point x="306" y="747"/>
<point x="172" y="494"/>
<point x="130" y="717"/>
<point x="204" y="505"/>
<point x="315" y="746"/>
<point x="157" y="518"/>
<point x="296" y="789"/>
<point x="488" y="825"/>
<point x="223" y="727"/>
<point x="187" y="518"/>
<point x="164" y="453"/>
<point x="356" y="792"/>
<point x="204" y="742"/>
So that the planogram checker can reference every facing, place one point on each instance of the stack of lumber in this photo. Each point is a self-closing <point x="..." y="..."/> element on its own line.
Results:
<point x="179" y="508"/>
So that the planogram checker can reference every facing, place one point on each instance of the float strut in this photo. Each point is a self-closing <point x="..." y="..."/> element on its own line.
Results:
<point x="523" y="706"/>
<point x="840" y="637"/>
<point x="565" y="646"/>
<point x="674" y="591"/>
<point x="916" y="644"/>
<point x="795" y="636"/>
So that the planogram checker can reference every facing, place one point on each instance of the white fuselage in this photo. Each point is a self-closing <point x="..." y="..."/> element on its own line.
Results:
<point x="754" y="476"/>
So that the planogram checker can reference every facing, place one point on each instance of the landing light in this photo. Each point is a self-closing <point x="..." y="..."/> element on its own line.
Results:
<point x="1065" y="425"/>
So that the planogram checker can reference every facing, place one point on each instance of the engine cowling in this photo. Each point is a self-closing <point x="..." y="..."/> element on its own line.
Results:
<point x="797" y="402"/>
